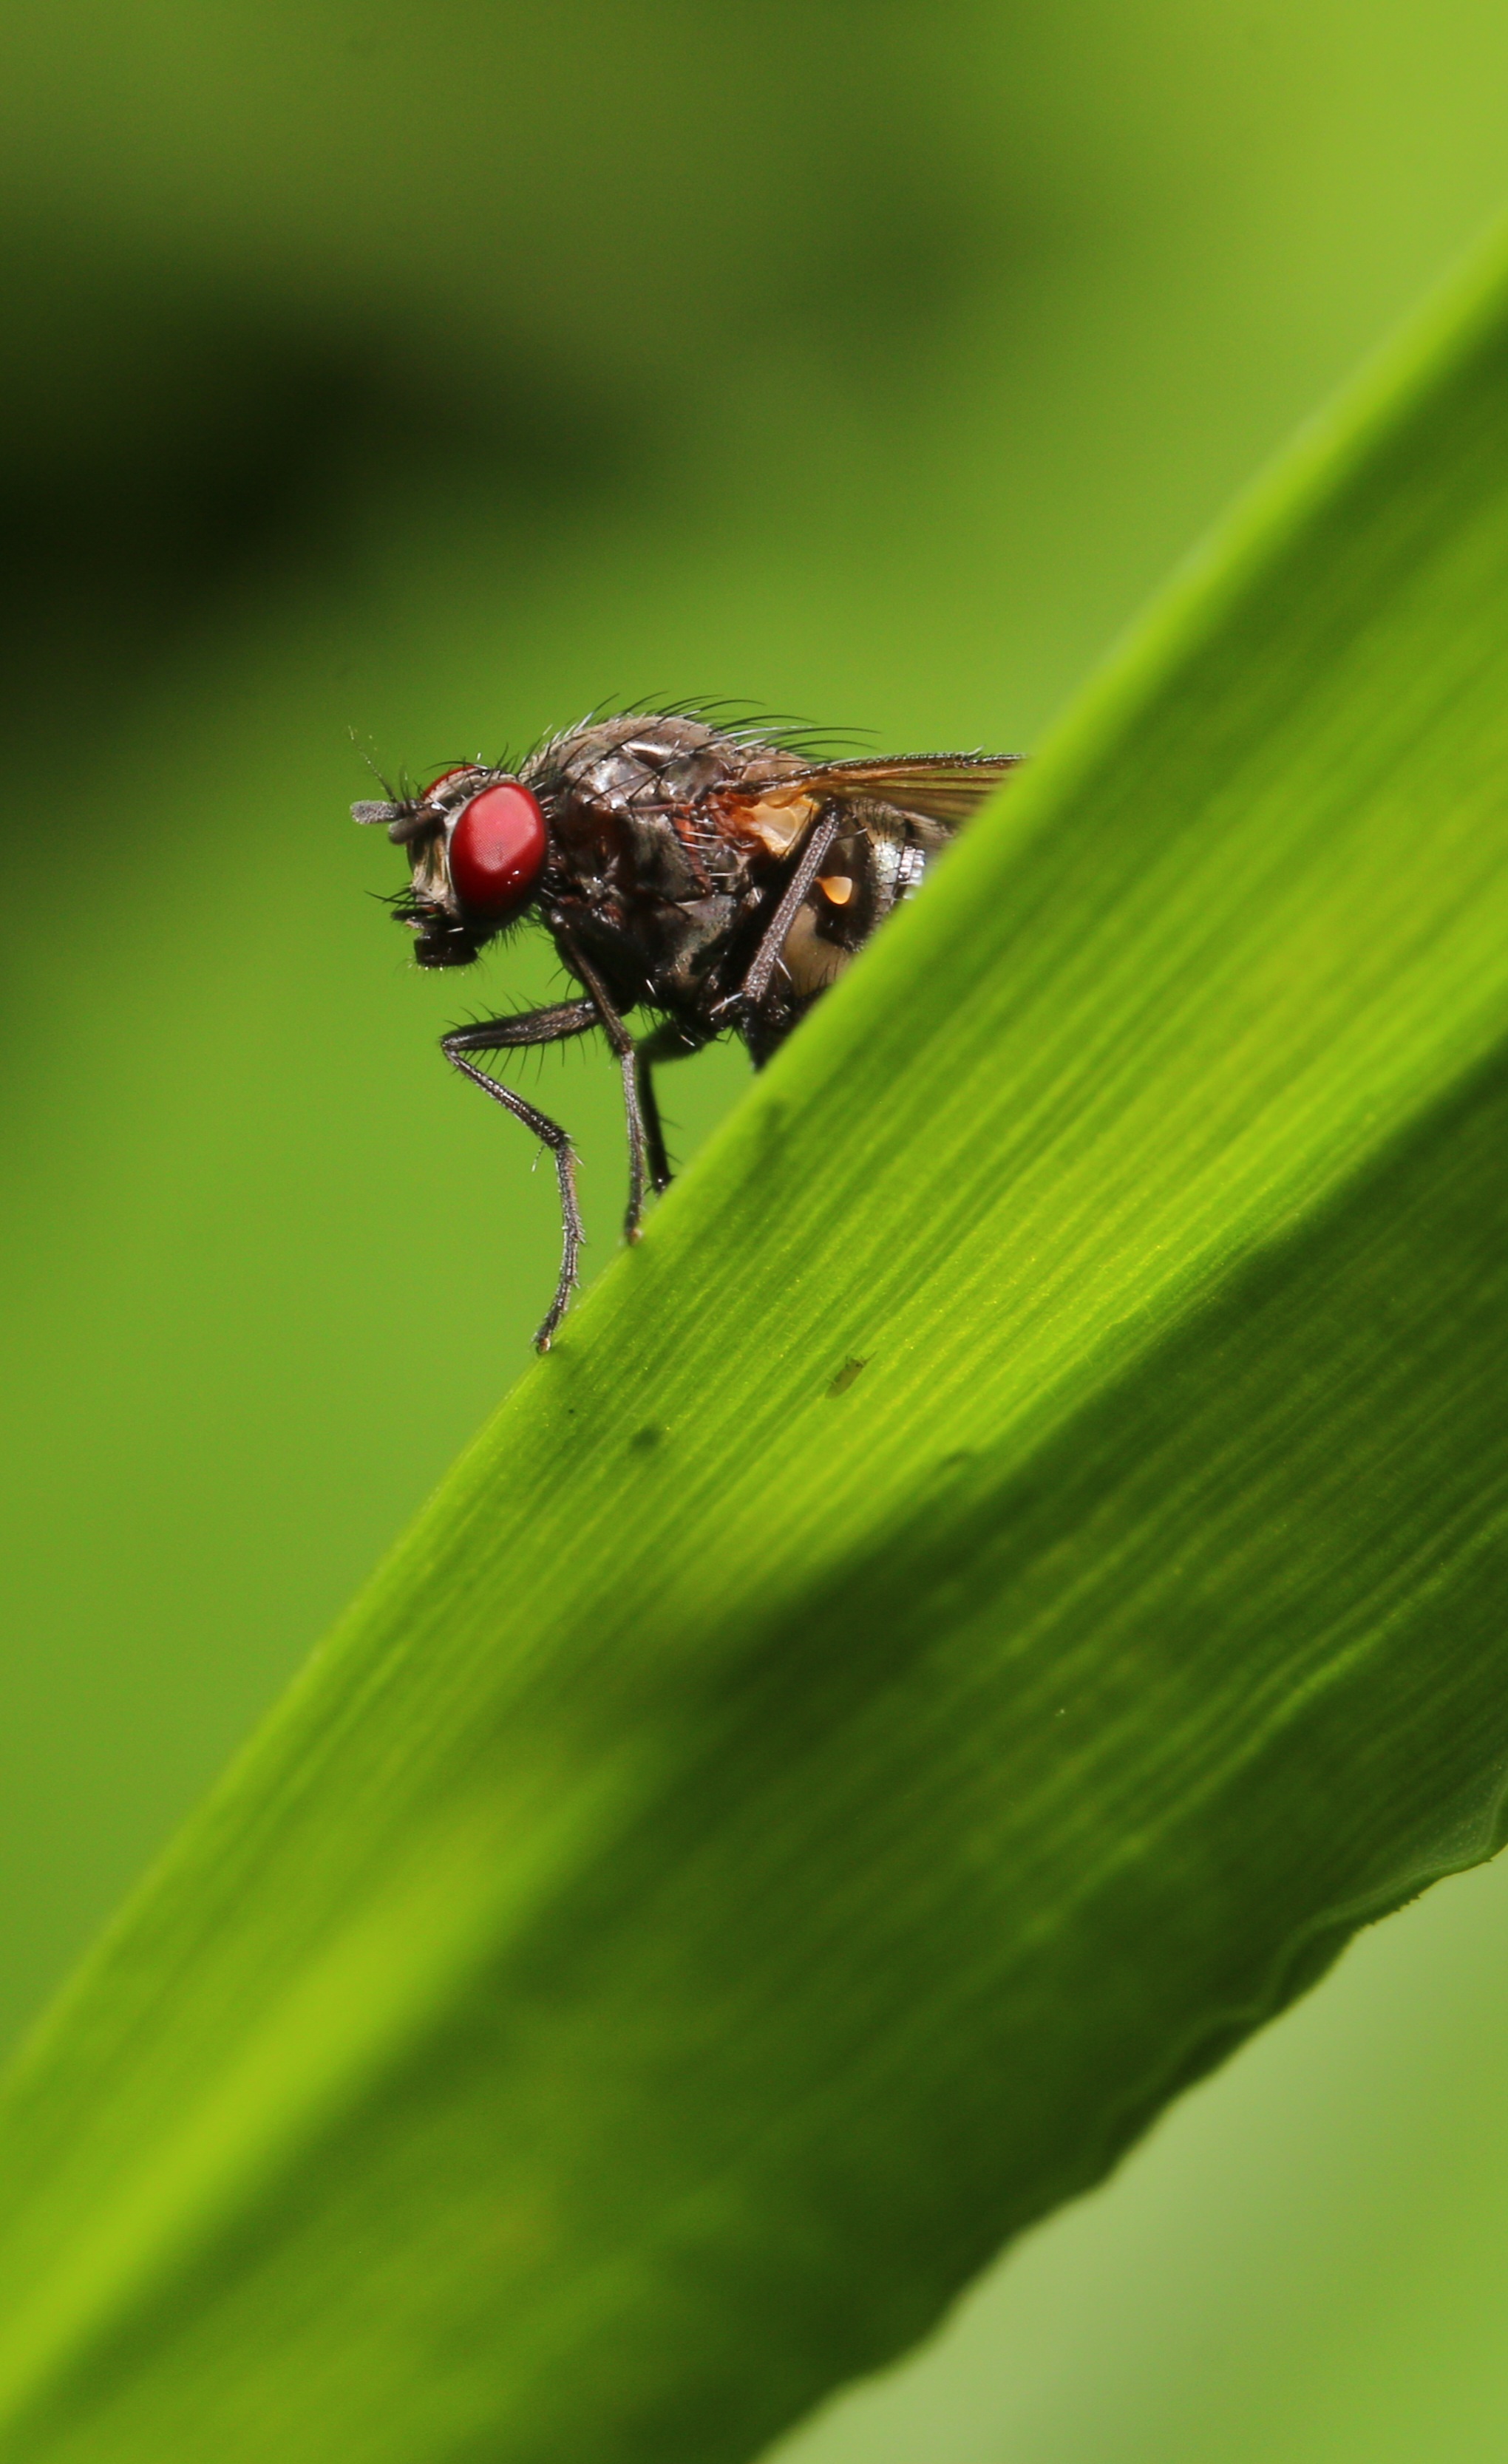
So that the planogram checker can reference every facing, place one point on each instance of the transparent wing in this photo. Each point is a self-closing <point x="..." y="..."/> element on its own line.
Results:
<point x="944" y="787"/>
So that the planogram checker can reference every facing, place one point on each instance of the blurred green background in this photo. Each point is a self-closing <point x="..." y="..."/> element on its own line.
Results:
<point x="426" y="376"/>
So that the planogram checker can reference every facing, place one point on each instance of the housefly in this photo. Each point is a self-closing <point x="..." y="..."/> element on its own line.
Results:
<point x="717" y="877"/>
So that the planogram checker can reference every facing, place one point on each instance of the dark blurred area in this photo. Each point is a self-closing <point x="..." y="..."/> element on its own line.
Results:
<point x="265" y="268"/>
<point x="399" y="383"/>
<point x="212" y="441"/>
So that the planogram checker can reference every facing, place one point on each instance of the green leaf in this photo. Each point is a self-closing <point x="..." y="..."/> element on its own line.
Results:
<point x="970" y="1616"/>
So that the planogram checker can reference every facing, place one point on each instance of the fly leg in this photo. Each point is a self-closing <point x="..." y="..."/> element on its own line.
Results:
<point x="745" y="1001"/>
<point x="646" y="1144"/>
<point x="504" y="1034"/>
<point x="668" y="1043"/>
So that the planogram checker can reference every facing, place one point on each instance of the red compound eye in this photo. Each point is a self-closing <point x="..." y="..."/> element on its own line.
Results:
<point x="497" y="850"/>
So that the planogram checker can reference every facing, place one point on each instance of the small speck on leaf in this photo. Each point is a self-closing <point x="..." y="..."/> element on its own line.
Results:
<point x="645" y="1441"/>
<point x="846" y="1376"/>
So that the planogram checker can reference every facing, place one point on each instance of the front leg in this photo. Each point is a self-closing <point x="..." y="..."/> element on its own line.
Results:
<point x="507" y="1034"/>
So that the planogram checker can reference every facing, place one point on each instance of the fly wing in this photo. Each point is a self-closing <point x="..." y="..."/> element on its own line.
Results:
<point x="944" y="787"/>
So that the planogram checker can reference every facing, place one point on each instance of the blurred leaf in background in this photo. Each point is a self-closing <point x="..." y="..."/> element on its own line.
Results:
<point x="433" y="375"/>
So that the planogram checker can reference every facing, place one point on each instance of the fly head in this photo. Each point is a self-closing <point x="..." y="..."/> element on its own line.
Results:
<point x="477" y="844"/>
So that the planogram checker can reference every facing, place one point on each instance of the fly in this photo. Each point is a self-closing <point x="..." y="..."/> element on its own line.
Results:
<point x="719" y="879"/>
